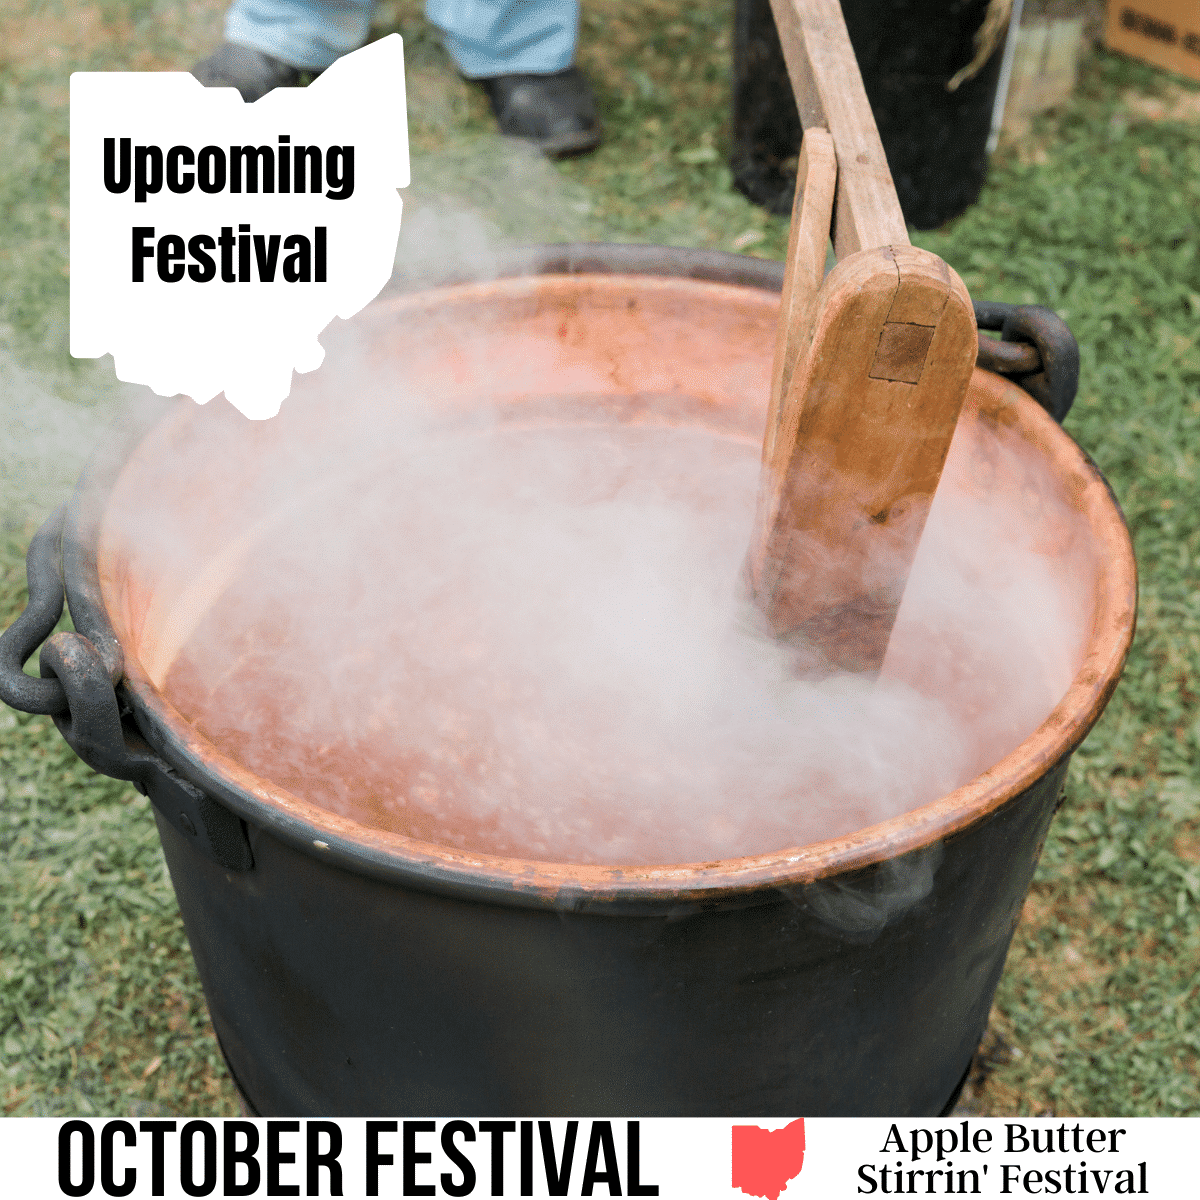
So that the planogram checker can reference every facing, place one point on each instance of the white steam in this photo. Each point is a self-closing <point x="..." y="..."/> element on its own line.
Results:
<point x="531" y="640"/>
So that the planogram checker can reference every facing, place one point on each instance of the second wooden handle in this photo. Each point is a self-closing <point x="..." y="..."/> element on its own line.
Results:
<point x="830" y="95"/>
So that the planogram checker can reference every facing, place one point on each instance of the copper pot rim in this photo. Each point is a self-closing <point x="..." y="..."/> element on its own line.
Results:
<point x="348" y="844"/>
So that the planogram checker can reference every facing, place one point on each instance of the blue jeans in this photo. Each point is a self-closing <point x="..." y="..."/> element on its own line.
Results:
<point x="484" y="37"/>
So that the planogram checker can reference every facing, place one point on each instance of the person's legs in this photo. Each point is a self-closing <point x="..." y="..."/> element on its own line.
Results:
<point x="269" y="42"/>
<point x="523" y="54"/>
<point x="309" y="34"/>
<point x="486" y="38"/>
<point x="521" y="51"/>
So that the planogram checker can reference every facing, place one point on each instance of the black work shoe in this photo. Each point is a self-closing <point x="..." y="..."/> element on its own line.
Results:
<point x="252" y="72"/>
<point x="556" y="113"/>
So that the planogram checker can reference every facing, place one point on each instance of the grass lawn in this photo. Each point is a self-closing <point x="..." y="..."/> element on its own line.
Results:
<point x="1097" y="215"/>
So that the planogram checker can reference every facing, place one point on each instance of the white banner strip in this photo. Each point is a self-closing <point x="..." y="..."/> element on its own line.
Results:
<point x="667" y="1157"/>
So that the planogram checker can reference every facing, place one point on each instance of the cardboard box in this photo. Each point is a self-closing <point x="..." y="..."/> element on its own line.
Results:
<point x="1163" y="32"/>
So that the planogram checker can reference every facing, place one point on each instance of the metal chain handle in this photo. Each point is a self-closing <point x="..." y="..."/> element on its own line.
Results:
<point x="1036" y="350"/>
<point x="33" y="626"/>
<point x="78" y="689"/>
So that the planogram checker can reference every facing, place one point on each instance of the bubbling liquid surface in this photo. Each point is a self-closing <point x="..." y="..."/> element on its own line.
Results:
<point x="531" y="642"/>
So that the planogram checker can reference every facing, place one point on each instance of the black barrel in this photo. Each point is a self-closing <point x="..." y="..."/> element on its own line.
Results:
<point x="908" y="51"/>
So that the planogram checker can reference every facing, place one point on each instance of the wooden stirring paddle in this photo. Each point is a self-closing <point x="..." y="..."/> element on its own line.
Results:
<point x="871" y="371"/>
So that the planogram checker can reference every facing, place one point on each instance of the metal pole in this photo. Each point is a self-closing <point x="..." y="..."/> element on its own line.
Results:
<point x="1006" y="64"/>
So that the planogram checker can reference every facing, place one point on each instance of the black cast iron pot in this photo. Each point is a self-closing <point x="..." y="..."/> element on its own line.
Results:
<point x="353" y="971"/>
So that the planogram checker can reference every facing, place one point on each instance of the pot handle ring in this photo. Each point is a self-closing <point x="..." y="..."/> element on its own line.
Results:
<point x="1036" y="350"/>
<point x="78" y="690"/>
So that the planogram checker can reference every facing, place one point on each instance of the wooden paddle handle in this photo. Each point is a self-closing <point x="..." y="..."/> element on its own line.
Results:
<point x="830" y="95"/>
<point x="871" y="369"/>
<point x="804" y="270"/>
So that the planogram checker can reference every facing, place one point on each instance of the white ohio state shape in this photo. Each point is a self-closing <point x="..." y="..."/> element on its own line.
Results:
<point x="243" y="338"/>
